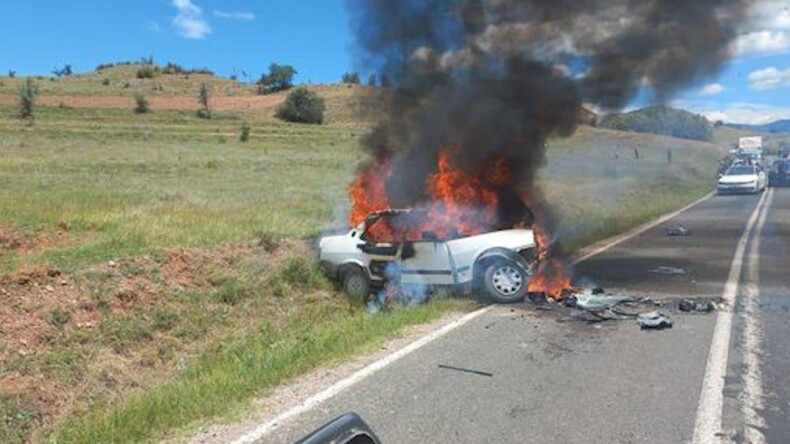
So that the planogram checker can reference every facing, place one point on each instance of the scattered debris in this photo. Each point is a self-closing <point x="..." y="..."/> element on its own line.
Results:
<point x="592" y="302"/>
<point x="654" y="320"/>
<point x="670" y="270"/>
<point x="678" y="230"/>
<point x="687" y="305"/>
<point x="466" y="370"/>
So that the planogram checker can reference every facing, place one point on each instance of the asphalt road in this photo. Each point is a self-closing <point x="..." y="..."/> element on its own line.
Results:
<point x="609" y="382"/>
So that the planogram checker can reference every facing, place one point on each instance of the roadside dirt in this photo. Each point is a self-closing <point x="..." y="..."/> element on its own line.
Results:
<point x="68" y="340"/>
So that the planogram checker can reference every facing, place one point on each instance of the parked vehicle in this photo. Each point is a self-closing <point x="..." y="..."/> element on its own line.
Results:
<point x="779" y="175"/>
<point x="742" y="179"/>
<point x="500" y="263"/>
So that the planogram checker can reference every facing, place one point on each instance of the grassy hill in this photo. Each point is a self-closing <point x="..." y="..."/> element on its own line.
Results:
<point x="661" y="120"/>
<point x="154" y="266"/>
<point x="780" y="126"/>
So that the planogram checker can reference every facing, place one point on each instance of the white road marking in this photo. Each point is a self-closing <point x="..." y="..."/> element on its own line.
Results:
<point x="600" y="247"/>
<point x="752" y="340"/>
<point x="711" y="401"/>
<point x="264" y="429"/>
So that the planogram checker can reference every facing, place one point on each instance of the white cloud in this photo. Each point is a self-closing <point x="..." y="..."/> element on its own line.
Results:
<point x="749" y="113"/>
<point x="713" y="89"/>
<point x="189" y="21"/>
<point x="767" y="31"/>
<point x="234" y="15"/>
<point x="763" y="42"/>
<point x="769" y="78"/>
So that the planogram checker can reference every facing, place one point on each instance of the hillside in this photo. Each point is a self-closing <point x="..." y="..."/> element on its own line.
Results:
<point x="178" y="92"/>
<point x="779" y="126"/>
<point x="661" y="120"/>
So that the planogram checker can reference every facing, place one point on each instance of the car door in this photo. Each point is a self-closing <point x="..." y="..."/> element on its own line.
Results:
<point x="426" y="263"/>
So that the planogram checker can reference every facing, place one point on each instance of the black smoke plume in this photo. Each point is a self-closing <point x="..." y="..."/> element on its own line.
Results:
<point x="490" y="79"/>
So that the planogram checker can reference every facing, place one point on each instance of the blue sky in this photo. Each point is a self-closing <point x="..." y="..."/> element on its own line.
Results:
<point x="235" y="36"/>
<point x="227" y="36"/>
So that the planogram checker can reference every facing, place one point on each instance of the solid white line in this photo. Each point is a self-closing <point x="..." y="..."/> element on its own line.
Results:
<point x="607" y="244"/>
<point x="711" y="401"/>
<point x="752" y="340"/>
<point x="262" y="430"/>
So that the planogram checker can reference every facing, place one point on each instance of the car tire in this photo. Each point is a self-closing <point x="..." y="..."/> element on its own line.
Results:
<point x="506" y="282"/>
<point x="356" y="283"/>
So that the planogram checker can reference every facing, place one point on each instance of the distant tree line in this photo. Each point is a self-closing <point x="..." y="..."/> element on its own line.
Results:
<point x="662" y="120"/>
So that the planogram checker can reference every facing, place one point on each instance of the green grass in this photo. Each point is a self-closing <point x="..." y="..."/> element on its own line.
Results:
<point x="219" y="384"/>
<point x="130" y="187"/>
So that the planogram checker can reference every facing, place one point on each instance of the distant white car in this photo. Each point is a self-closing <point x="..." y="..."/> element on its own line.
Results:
<point x="742" y="179"/>
<point x="500" y="263"/>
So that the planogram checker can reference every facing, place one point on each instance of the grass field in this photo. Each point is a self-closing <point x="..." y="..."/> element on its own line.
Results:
<point x="156" y="272"/>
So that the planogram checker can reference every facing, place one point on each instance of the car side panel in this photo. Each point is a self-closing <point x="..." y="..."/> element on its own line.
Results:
<point x="430" y="265"/>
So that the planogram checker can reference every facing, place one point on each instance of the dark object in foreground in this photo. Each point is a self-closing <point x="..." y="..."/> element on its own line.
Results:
<point x="654" y="320"/>
<point x="687" y="305"/>
<point x="346" y="429"/>
<point x="466" y="370"/>
<point x="678" y="231"/>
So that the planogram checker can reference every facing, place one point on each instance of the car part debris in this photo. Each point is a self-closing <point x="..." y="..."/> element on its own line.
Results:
<point x="678" y="230"/>
<point x="670" y="270"/>
<point x="687" y="306"/>
<point x="592" y="302"/>
<point x="466" y="370"/>
<point x="654" y="320"/>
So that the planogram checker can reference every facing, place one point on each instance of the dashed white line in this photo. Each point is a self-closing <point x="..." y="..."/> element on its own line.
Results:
<point x="709" y="410"/>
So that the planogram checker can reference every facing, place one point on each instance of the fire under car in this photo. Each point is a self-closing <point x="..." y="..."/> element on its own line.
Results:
<point x="498" y="263"/>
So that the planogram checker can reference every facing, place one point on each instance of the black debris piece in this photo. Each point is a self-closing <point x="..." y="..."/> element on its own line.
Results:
<point x="688" y="306"/>
<point x="466" y="370"/>
<point x="678" y="230"/>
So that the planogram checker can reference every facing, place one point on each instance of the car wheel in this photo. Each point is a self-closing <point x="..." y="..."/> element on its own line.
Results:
<point x="356" y="283"/>
<point x="506" y="282"/>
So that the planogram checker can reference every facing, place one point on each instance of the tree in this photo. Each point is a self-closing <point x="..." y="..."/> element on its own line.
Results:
<point x="27" y="99"/>
<point x="302" y="106"/>
<point x="351" y="78"/>
<point x="372" y="80"/>
<point x="204" y="98"/>
<point x="279" y="78"/>
<point x="142" y="106"/>
<point x="63" y="72"/>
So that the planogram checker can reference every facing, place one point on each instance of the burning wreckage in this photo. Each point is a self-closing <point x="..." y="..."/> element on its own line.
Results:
<point x="474" y="91"/>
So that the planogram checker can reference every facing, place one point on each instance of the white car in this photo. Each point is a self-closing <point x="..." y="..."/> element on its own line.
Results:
<point x="742" y="179"/>
<point x="500" y="262"/>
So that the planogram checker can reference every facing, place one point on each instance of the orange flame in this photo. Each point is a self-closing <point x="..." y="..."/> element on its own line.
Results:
<point x="460" y="203"/>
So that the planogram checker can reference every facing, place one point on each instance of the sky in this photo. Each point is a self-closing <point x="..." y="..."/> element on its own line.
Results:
<point x="238" y="37"/>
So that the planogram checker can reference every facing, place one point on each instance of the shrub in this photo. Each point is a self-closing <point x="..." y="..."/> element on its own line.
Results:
<point x="147" y="72"/>
<point x="244" y="137"/>
<point x="204" y="98"/>
<point x="302" y="106"/>
<point x="351" y="78"/>
<point x="662" y="120"/>
<point x="372" y="80"/>
<point x="105" y="82"/>
<point x="279" y="78"/>
<point x="59" y="317"/>
<point x="27" y="99"/>
<point x="63" y="72"/>
<point x="11" y="73"/>
<point x="141" y="104"/>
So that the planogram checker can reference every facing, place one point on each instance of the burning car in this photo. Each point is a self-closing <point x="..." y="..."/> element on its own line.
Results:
<point x="390" y="246"/>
